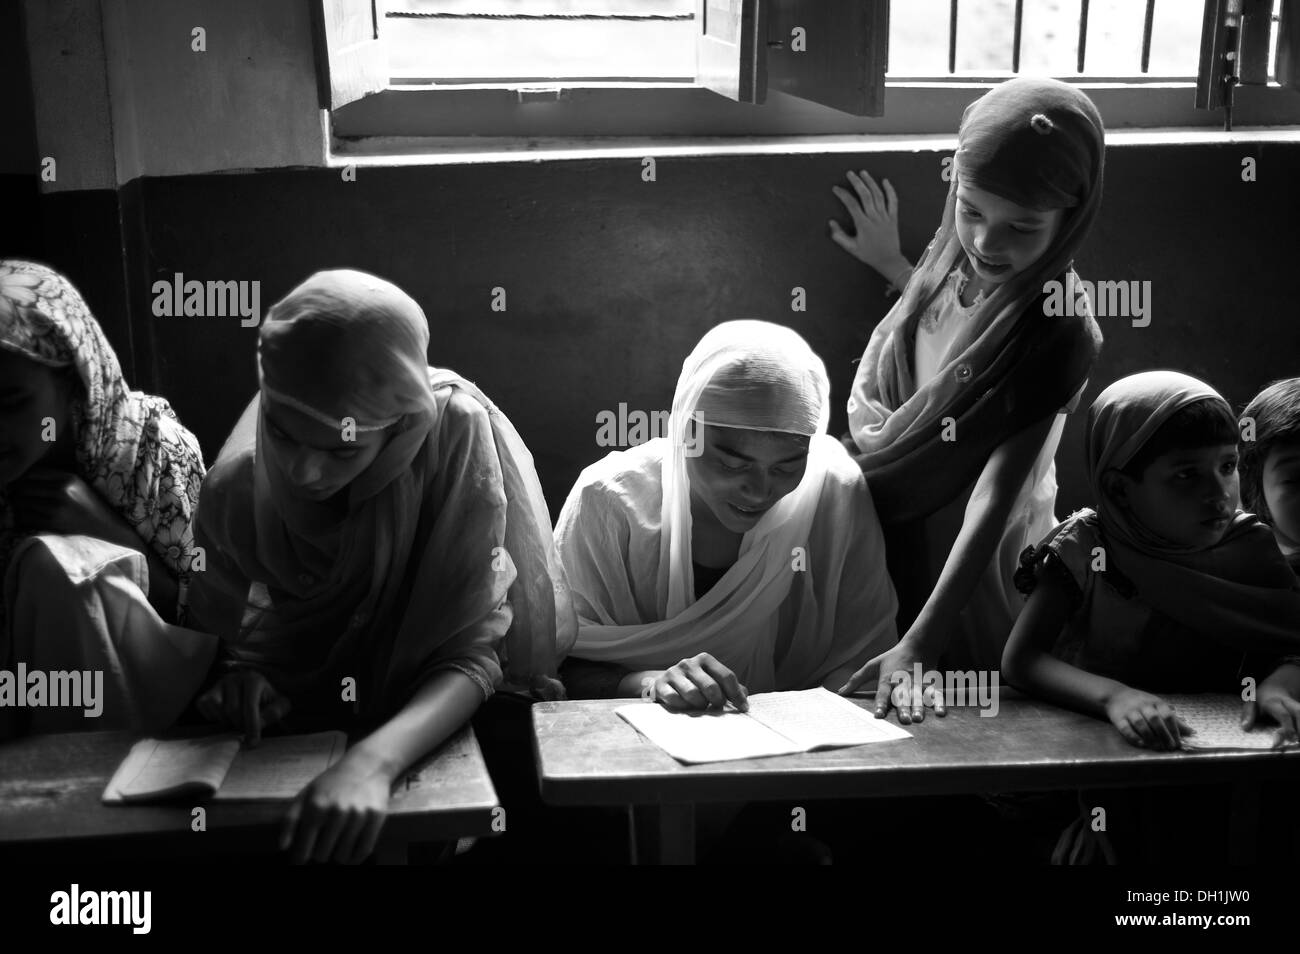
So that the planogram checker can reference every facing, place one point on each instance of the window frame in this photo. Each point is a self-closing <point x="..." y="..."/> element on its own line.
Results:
<point x="926" y="106"/>
<point x="535" y="114"/>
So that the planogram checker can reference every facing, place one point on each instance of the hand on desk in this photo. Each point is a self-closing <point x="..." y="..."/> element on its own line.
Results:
<point x="892" y="673"/>
<point x="700" y="682"/>
<point x="338" y="817"/>
<point x="244" y="700"/>
<point x="1147" y="721"/>
<point x="1283" y="710"/>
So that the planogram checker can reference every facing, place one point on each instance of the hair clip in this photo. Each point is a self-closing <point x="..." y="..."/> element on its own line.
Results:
<point x="1042" y="125"/>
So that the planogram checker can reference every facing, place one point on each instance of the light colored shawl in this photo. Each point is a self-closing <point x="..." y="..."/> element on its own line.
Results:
<point x="808" y="594"/>
<point x="444" y="558"/>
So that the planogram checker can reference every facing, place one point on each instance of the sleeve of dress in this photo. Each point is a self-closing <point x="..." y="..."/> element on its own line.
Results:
<point x="219" y="588"/>
<point x="1065" y="554"/>
<point x="592" y="536"/>
<point x="458" y="612"/>
<point x="169" y="471"/>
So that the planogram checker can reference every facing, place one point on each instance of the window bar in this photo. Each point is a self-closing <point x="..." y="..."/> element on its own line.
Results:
<point x="1015" y="42"/>
<point x="952" y="36"/>
<point x="1146" y="36"/>
<point x="1083" y="32"/>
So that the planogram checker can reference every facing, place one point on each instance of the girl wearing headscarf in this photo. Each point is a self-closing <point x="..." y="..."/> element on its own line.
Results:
<point x="98" y="485"/>
<point x="1167" y="584"/>
<point x="379" y="552"/>
<point x="958" y="404"/>
<point x="739" y="553"/>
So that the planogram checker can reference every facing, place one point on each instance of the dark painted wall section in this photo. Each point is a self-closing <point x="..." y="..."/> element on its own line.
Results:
<point x="77" y="232"/>
<point x="19" y="221"/>
<point x="18" y="144"/>
<point x="610" y="280"/>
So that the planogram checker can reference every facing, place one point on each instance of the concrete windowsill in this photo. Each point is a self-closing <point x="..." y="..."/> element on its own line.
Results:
<point x="395" y="151"/>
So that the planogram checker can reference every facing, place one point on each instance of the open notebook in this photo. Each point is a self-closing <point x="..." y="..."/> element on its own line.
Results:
<point x="777" y="723"/>
<point x="1217" y="721"/>
<point x="216" y="766"/>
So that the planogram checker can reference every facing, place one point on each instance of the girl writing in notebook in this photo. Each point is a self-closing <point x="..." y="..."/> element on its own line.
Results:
<point x="959" y="400"/>
<point x="379" y="553"/>
<point x="739" y="553"/>
<point x="1165" y="585"/>
<point x="98" y="485"/>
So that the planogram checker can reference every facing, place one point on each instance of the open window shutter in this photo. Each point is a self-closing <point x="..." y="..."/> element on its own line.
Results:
<point x="350" y="61"/>
<point x="1256" y="26"/>
<point x="730" y="48"/>
<point x="1288" y="45"/>
<point x="831" y="52"/>
<point x="1219" y="31"/>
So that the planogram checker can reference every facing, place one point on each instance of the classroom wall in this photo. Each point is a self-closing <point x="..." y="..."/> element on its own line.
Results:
<point x="123" y="88"/>
<point x="610" y="280"/>
<point x="247" y="100"/>
<point x="18" y="163"/>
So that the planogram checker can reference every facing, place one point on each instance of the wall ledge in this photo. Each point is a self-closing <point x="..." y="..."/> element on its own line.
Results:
<point x="392" y="151"/>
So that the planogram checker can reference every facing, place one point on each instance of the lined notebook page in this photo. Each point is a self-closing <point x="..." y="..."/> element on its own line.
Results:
<point x="280" y="766"/>
<point x="818" y="718"/>
<point x="705" y="736"/>
<point x="778" y="723"/>
<point x="1217" y="721"/>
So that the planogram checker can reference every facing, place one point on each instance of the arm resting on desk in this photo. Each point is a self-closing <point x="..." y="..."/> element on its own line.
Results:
<point x="1279" y="697"/>
<point x="338" y="816"/>
<point x="1028" y="664"/>
<point x="441" y="706"/>
<point x="1141" y="718"/>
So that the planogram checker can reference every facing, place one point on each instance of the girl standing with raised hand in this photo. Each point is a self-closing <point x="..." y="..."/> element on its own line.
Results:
<point x="958" y="404"/>
<point x="376" y="520"/>
<point x="98" y="486"/>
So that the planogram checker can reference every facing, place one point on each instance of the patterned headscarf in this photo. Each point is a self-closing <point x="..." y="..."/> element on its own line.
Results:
<point x="130" y="447"/>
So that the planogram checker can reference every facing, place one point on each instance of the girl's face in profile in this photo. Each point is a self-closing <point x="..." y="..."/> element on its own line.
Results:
<point x="35" y="406"/>
<point x="318" y="460"/>
<point x="1188" y="497"/>
<point x="1001" y="238"/>
<point x="737" y="475"/>
<point x="1281" y="487"/>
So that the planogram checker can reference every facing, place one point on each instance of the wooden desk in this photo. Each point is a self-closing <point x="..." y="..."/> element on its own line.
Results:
<point x="50" y="789"/>
<point x="587" y="755"/>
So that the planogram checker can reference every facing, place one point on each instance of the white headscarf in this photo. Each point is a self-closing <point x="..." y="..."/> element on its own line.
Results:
<point x="808" y="593"/>
<point x="757" y="376"/>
